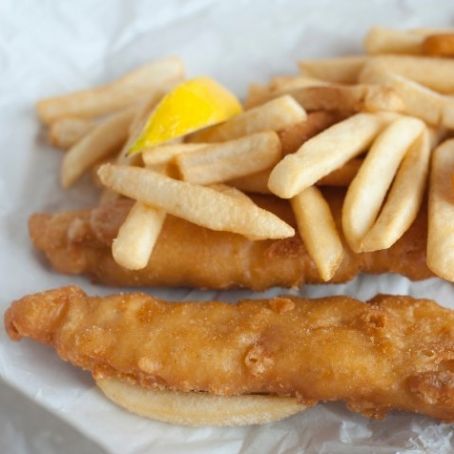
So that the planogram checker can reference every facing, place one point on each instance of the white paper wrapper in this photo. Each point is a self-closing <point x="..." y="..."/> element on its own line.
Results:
<point x="51" y="47"/>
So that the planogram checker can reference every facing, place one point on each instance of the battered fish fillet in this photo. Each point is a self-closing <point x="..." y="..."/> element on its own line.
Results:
<point x="394" y="352"/>
<point x="189" y="255"/>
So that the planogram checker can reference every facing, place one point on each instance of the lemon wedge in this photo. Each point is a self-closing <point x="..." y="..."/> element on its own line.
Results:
<point x="192" y="105"/>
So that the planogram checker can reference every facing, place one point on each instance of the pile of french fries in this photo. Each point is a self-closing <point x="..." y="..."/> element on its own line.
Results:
<point x="370" y="123"/>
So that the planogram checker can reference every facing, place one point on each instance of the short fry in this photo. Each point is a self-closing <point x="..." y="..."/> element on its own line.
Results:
<point x="440" y="237"/>
<point x="273" y="115"/>
<point x="324" y="153"/>
<point x="343" y="70"/>
<point x="67" y="132"/>
<point x="102" y="141"/>
<point x="318" y="231"/>
<point x="368" y="189"/>
<point x="198" y="204"/>
<point x="441" y="45"/>
<point x="133" y="246"/>
<point x="404" y="199"/>
<point x="114" y="96"/>
<point x="216" y="163"/>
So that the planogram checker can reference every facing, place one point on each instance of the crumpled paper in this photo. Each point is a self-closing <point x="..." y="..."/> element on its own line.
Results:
<point x="51" y="47"/>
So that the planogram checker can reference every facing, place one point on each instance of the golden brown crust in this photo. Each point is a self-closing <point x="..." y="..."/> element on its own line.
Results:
<point x="394" y="352"/>
<point x="189" y="255"/>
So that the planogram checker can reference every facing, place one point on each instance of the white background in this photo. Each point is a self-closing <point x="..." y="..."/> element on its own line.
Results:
<point x="49" y="47"/>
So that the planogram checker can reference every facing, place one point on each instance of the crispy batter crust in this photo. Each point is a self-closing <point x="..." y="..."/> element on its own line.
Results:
<point x="394" y="352"/>
<point x="189" y="255"/>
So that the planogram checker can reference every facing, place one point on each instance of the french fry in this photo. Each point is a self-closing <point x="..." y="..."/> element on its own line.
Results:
<point x="198" y="204"/>
<point x="435" y="73"/>
<point x="342" y="176"/>
<point x="258" y="182"/>
<point x="278" y="86"/>
<point x="404" y="199"/>
<point x="348" y="98"/>
<point x="133" y="246"/>
<point x="435" y="42"/>
<point x="427" y="31"/>
<point x="419" y="101"/>
<point x="447" y="115"/>
<point x="282" y="83"/>
<point x="292" y="137"/>
<point x="324" y="153"/>
<point x="273" y="115"/>
<point x="381" y="40"/>
<point x="344" y="70"/>
<point x="114" y="96"/>
<point x="231" y="192"/>
<point x="224" y="161"/>
<point x="440" y="237"/>
<point x="441" y="45"/>
<point x="318" y="231"/>
<point x="102" y="141"/>
<point x="67" y="132"/>
<point x="368" y="189"/>
<point x="164" y="154"/>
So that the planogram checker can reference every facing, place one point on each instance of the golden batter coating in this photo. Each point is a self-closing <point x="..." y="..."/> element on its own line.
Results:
<point x="189" y="255"/>
<point x="394" y="352"/>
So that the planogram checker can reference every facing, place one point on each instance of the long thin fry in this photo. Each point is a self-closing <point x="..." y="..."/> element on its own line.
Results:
<point x="381" y="40"/>
<point x="435" y="73"/>
<point x="273" y="115"/>
<point x="343" y="70"/>
<point x="133" y="246"/>
<point x="440" y="238"/>
<point x="200" y="205"/>
<point x="231" y="192"/>
<point x="278" y="86"/>
<point x="220" y="162"/>
<point x="114" y="96"/>
<point x="318" y="231"/>
<point x="427" y="31"/>
<point x="404" y="199"/>
<point x="324" y="153"/>
<point x="66" y="132"/>
<point x="347" y="98"/>
<point x="419" y="101"/>
<point x="102" y="141"/>
<point x="447" y="115"/>
<point x="367" y="191"/>
<point x="258" y="182"/>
